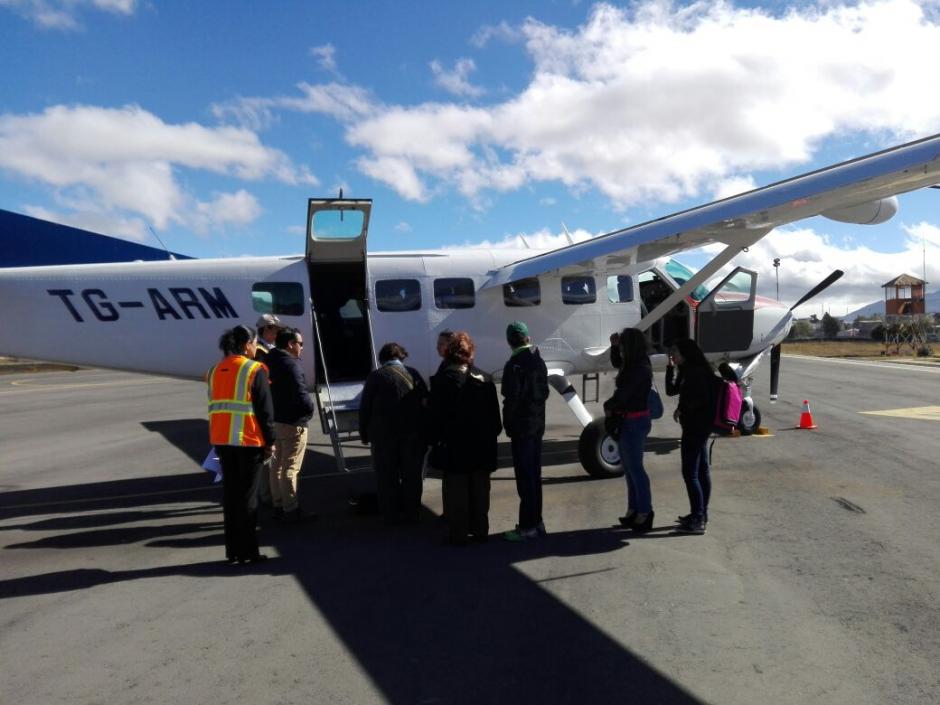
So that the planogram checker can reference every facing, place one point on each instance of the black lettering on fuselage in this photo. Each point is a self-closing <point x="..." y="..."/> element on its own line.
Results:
<point x="187" y="300"/>
<point x="216" y="301"/>
<point x="103" y="310"/>
<point x="64" y="295"/>
<point x="161" y="306"/>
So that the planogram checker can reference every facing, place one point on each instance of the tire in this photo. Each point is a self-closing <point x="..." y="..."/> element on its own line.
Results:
<point x="750" y="419"/>
<point x="599" y="453"/>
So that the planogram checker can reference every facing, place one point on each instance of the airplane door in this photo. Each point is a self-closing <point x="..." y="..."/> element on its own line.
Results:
<point x="725" y="317"/>
<point x="336" y="260"/>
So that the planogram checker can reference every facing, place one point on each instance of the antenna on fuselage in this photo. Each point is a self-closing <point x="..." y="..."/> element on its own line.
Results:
<point x="567" y="234"/>
<point x="525" y="242"/>
<point x="165" y="248"/>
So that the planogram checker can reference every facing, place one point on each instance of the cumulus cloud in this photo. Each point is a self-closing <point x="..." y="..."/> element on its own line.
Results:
<point x="807" y="257"/>
<point x="239" y="208"/>
<point x="64" y="14"/>
<point x="127" y="159"/>
<point x="326" y="58"/>
<point x="456" y="81"/>
<point x="658" y="103"/>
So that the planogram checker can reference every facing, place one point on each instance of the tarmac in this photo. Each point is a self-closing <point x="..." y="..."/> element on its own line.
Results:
<point x="818" y="580"/>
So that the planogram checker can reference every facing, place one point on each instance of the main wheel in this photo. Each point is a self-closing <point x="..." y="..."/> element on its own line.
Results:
<point x="750" y="419"/>
<point x="598" y="452"/>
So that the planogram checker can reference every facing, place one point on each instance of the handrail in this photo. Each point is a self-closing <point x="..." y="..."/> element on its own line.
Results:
<point x="334" y="429"/>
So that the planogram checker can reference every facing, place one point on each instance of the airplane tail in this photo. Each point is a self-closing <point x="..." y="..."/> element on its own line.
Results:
<point x="31" y="242"/>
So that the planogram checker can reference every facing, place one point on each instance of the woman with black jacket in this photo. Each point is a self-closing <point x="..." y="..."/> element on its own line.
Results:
<point x="631" y="403"/>
<point x="465" y="419"/>
<point x="695" y="384"/>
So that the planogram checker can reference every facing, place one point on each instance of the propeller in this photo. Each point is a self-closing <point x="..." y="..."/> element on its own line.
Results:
<point x="775" y="350"/>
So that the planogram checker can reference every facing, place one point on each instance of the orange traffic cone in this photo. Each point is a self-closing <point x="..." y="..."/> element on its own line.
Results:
<point x="806" y="417"/>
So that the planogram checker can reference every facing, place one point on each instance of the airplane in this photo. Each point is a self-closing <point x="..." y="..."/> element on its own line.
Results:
<point x="165" y="317"/>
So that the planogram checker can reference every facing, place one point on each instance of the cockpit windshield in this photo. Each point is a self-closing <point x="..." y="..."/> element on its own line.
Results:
<point x="682" y="274"/>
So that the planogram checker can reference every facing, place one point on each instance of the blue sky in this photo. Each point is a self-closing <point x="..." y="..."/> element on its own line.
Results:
<point x="212" y="123"/>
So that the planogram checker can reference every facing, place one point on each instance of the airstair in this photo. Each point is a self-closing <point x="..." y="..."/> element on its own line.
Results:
<point x="345" y="354"/>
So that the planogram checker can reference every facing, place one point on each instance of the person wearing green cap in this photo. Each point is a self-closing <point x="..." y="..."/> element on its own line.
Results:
<point x="524" y="390"/>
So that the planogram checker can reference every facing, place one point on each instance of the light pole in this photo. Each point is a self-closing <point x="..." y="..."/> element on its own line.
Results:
<point x="777" y="275"/>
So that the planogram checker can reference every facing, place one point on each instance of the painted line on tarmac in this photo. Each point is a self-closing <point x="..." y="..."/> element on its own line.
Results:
<point x="921" y="413"/>
<point x="886" y="365"/>
<point x="24" y="386"/>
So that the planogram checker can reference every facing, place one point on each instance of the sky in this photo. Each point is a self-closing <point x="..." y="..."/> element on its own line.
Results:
<point x="207" y="125"/>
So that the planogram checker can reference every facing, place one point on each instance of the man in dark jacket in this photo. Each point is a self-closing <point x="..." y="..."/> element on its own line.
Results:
<point x="391" y="420"/>
<point x="525" y="389"/>
<point x="293" y="409"/>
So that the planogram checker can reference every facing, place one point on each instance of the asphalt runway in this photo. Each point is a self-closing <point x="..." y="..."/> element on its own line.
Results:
<point x="818" y="580"/>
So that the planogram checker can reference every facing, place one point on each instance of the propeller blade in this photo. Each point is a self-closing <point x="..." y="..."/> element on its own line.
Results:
<point x="774" y="371"/>
<point x="821" y="286"/>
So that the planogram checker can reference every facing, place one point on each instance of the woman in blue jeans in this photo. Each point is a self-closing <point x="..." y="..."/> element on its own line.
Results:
<point x="695" y="384"/>
<point x="631" y="403"/>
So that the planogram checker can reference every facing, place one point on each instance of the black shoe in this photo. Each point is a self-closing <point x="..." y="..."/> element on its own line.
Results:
<point x="257" y="558"/>
<point x="627" y="519"/>
<point x="641" y="524"/>
<point x="689" y="519"/>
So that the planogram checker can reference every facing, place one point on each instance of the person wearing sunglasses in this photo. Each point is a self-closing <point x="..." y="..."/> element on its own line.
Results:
<point x="293" y="409"/>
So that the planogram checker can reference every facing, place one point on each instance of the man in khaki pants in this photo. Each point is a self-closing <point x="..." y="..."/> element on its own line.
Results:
<point x="293" y="409"/>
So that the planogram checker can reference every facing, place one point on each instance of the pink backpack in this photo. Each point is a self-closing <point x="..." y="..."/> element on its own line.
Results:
<point x="728" y="403"/>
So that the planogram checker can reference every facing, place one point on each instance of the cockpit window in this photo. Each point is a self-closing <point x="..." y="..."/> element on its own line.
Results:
<point x="525" y="292"/>
<point x="398" y="295"/>
<point x="682" y="274"/>
<point x="578" y="290"/>
<point x="454" y="293"/>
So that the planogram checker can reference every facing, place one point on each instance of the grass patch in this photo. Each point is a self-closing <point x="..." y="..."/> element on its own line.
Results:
<point x="843" y="348"/>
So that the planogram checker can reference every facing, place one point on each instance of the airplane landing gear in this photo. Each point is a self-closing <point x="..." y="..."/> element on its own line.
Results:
<point x="750" y="418"/>
<point x="598" y="452"/>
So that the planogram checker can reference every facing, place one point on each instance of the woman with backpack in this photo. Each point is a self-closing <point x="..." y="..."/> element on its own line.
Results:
<point x="630" y="403"/>
<point x="465" y="420"/>
<point x="695" y="384"/>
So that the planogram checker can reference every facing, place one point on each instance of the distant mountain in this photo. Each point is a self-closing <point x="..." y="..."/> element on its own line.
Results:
<point x="878" y="307"/>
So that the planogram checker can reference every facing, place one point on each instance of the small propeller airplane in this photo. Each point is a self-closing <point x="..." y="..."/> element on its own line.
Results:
<point x="165" y="317"/>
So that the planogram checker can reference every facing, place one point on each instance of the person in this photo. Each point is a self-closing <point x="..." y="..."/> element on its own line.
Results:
<point x="465" y="420"/>
<point x="241" y="427"/>
<point x="524" y="390"/>
<point x="695" y="385"/>
<point x="391" y="416"/>
<point x="268" y="325"/>
<point x="443" y="338"/>
<point x="293" y="409"/>
<point x="630" y="402"/>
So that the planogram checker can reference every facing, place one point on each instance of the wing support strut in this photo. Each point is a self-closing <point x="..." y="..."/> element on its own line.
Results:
<point x="700" y="277"/>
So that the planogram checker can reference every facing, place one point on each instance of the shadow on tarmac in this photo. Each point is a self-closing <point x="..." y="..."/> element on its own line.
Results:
<point x="428" y="623"/>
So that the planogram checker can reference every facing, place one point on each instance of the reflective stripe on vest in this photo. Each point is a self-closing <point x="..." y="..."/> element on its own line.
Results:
<point x="232" y="420"/>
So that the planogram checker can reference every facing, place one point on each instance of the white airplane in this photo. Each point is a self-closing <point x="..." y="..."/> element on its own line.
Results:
<point x="165" y="317"/>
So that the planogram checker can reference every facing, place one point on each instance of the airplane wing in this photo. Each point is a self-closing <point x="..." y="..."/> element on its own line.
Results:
<point x="32" y="242"/>
<point x="743" y="219"/>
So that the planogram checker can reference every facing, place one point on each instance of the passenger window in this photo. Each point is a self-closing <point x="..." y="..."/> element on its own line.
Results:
<point x="453" y="293"/>
<point x="525" y="292"/>
<point x="279" y="298"/>
<point x="578" y="290"/>
<point x="619" y="289"/>
<point x="398" y="295"/>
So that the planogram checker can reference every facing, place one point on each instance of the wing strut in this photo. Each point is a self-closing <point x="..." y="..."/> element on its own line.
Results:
<point x="700" y="277"/>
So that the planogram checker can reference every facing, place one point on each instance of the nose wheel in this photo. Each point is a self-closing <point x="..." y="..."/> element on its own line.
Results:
<point x="598" y="452"/>
<point x="750" y="419"/>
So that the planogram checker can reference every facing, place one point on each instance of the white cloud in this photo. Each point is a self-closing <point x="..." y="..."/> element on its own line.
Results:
<point x="326" y="58"/>
<point x="658" y="102"/>
<point x="63" y="14"/>
<point x="502" y="32"/>
<point x="456" y="81"/>
<point x="127" y="159"/>
<point x="543" y="239"/>
<point x="403" y="227"/>
<point x="807" y="257"/>
<point x="547" y="201"/>
<point x="239" y="208"/>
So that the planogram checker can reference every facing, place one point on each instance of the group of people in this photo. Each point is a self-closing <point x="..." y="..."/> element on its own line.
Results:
<point x="458" y="418"/>
<point x="259" y="409"/>
<point x="688" y="375"/>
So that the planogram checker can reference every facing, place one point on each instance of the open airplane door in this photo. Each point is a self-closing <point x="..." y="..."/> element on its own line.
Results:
<point x="725" y="317"/>
<point x="336" y="261"/>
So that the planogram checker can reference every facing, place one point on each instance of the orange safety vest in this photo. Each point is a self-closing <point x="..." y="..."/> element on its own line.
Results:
<point x="232" y="420"/>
